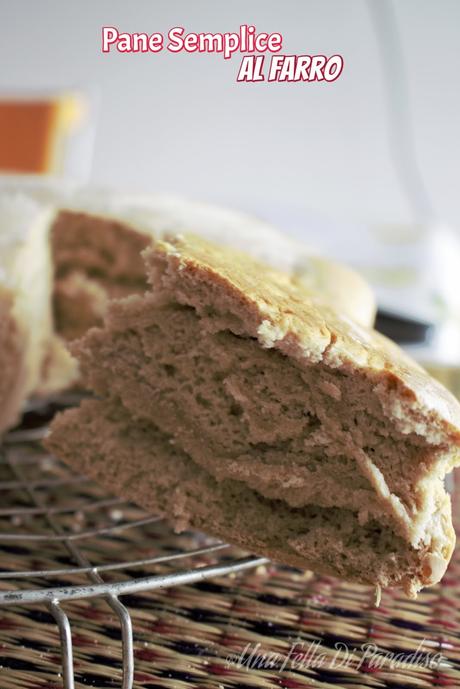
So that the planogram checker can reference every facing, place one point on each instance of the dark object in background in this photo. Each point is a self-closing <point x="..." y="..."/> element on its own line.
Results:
<point x="402" y="329"/>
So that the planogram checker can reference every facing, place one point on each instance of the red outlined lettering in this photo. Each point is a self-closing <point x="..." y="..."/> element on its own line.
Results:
<point x="333" y="68"/>
<point x="275" y="42"/>
<point x="131" y="42"/>
<point x="176" y="42"/>
<point x="109" y="36"/>
<point x="275" y="66"/>
<point x="302" y="67"/>
<point x="316" y="68"/>
<point x="293" y="68"/>
<point x="251" y="69"/>
<point x="283" y="68"/>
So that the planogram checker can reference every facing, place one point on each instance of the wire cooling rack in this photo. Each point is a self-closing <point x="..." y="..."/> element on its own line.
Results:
<point x="63" y="540"/>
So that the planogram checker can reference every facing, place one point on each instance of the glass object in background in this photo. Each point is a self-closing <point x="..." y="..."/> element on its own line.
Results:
<point x="47" y="134"/>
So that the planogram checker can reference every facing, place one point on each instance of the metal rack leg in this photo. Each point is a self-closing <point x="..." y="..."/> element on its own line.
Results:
<point x="126" y="641"/>
<point x="66" y="643"/>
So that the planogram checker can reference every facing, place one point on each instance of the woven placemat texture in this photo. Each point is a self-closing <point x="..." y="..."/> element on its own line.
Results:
<point x="269" y="627"/>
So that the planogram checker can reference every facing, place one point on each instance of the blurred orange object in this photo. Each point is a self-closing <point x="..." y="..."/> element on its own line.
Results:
<point x="33" y="132"/>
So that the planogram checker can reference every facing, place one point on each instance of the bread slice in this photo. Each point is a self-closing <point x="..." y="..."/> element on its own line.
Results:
<point x="234" y="401"/>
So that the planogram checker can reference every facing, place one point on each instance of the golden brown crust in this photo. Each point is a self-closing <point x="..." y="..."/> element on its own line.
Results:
<point x="342" y="287"/>
<point x="289" y="317"/>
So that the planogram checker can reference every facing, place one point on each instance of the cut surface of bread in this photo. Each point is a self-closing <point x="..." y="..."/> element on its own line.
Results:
<point x="95" y="259"/>
<point x="255" y="412"/>
<point x="139" y="462"/>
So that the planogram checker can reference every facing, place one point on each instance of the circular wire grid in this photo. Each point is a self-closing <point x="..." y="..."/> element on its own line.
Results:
<point x="63" y="539"/>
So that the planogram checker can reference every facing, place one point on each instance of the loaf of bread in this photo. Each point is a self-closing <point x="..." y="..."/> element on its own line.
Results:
<point x="95" y="239"/>
<point x="232" y="400"/>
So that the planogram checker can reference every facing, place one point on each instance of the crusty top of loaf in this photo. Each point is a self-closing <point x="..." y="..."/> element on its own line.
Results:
<point x="281" y="313"/>
<point x="159" y="214"/>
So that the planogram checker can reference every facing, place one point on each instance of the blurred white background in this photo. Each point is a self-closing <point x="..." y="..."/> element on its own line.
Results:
<point x="181" y="122"/>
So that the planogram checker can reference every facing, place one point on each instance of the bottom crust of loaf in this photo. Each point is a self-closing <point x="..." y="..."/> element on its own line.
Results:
<point x="137" y="461"/>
